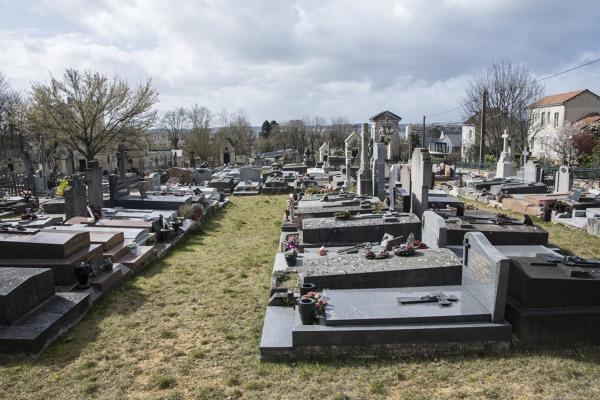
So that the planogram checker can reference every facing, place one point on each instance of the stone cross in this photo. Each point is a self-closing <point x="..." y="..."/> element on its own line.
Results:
<point x="505" y="138"/>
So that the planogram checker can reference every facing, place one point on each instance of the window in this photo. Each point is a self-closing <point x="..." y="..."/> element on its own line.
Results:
<point x="548" y="117"/>
<point x="543" y="115"/>
<point x="555" y="120"/>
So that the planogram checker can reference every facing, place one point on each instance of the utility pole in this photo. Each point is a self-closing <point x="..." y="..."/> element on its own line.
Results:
<point x="423" y="133"/>
<point x="482" y="127"/>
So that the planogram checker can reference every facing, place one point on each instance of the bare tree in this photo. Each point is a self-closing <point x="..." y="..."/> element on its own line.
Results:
<point x="176" y="123"/>
<point x="337" y="132"/>
<point x="510" y="90"/>
<point x="198" y="141"/>
<point x="562" y="145"/>
<point x="90" y="113"/>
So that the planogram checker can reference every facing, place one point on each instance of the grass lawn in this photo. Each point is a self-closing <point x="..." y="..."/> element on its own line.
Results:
<point x="189" y="327"/>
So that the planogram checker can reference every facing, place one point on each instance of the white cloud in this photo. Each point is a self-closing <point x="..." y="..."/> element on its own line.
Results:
<point x="281" y="60"/>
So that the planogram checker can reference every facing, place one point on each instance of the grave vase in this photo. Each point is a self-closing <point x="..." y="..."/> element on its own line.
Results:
<point x="291" y="260"/>
<point x="307" y="287"/>
<point x="82" y="273"/>
<point x="306" y="308"/>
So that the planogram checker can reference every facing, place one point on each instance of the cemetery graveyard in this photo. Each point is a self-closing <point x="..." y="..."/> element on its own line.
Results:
<point x="384" y="262"/>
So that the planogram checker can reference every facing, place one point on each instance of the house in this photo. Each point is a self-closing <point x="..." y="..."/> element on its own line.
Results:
<point x="446" y="144"/>
<point x="579" y="108"/>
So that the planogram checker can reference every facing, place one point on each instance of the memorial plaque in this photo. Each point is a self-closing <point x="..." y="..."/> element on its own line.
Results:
<point x="485" y="274"/>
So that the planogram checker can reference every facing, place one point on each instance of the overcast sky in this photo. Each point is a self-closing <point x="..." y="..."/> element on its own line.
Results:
<point x="281" y="59"/>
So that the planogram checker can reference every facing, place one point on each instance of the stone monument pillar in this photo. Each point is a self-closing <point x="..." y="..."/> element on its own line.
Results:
<point x="394" y="177"/>
<point x="364" y="184"/>
<point x="504" y="165"/>
<point x="93" y="179"/>
<point x="75" y="205"/>
<point x="379" y="156"/>
<point x="421" y="178"/>
<point x="121" y="160"/>
<point x="564" y="180"/>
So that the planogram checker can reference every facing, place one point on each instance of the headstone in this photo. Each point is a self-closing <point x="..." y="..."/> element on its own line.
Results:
<point x="21" y="290"/>
<point x="93" y="178"/>
<point x="394" y="178"/>
<point x="405" y="177"/>
<point x="364" y="181"/>
<point x="154" y="182"/>
<point x="564" y="180"/>
<point x="359" y="229"/>
<point x="379" y="154"/>
<point x="532" y="172"/>
<point x="75" y="204"/>
<point x="504" y="165"/>
<point x="248" y="173"/>
<point x="429" y="267"/>
<point x="421" y="178"/>
<point x="434" y="230"/>
<point x="485" y="274"/>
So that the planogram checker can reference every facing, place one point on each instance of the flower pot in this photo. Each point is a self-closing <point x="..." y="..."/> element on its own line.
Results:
<point x="548" y="215"/>
<point x="307" y="287"/>
<point x="306" y="308"/>
<point x="291" y="260"/>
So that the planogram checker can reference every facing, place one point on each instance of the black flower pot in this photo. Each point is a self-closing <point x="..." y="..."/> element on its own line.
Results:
<point x="82" y="273"/>
<point x="548" y="215"/>
<point x="291" y="260"/>
<point x="306" y="307"/>
<point x="307" y="287"/>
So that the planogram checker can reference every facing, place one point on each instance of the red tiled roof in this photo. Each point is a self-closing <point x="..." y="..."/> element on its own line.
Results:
<point x="557" y="99"/>
<point x="587" y="120"/>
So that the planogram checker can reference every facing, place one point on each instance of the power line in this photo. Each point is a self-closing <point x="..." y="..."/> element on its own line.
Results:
<point x="535" y="81"/>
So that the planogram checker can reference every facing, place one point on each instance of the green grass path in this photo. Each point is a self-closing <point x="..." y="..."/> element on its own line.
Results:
<point x="189" y="328"/>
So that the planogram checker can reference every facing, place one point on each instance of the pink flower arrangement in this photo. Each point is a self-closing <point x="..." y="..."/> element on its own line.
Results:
<point x="323" y="251"/>
<point x="320" y="301"/>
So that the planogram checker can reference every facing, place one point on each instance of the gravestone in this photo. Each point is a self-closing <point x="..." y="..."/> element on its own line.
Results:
<point x="93" y="179"/>
<point x="394" y="178"/>
<point x="564" y="180"/>
<point x="32" y="315"/>
<point x="359" y="228"/>
<point x="532" y="172"/>
<point x="553" y="301"/>
<point x="364" y="184"/>
<point x="352" y="271"/>
<point x="434" y="232"/>
<point x="379" y="153"/>
<point x="485" y="274"/>
<point x="154" y="182"/>
<point x="504" y="165"/>
<point x="421" y="178"/>
<point x="498" y="231"/>
<point x="248" y="173"/>
<point x="21" y="290"/>
<point x="75" y="204"/>
<point x="201" y="175"/>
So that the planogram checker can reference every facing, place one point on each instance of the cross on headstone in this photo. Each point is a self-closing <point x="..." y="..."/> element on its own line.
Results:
<point x="440" y="298"/>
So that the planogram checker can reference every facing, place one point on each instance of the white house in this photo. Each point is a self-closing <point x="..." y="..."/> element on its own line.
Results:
<point x="551" y="113"/>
